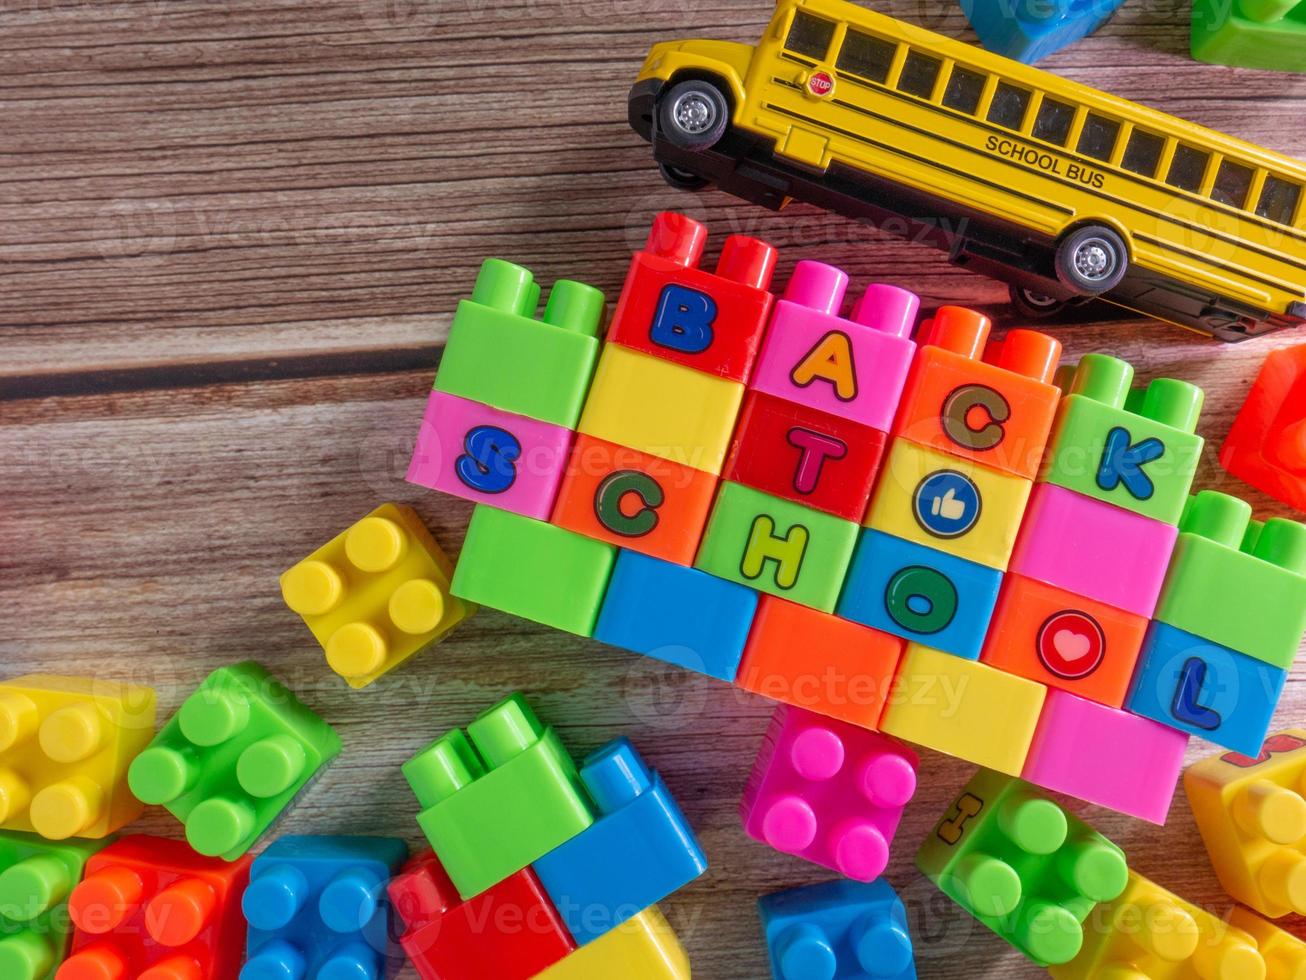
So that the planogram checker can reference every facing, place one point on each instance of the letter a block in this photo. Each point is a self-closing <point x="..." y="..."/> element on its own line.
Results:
<point x="36" y="877"/>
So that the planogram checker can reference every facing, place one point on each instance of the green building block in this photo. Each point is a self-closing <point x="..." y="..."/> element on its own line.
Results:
<point x="233" y="758"/>
<point x="497" y="798"/>
<point x="1134" y="448"/>
<point x="1022" y="866"/>
<point x="36" y="877"/>
<point x="777" y="546"/>
<point x="1238" y="582"/>
<point x="534" y="570"/>
<point x="1251" y="33"/>
<point x="500" y="355"/>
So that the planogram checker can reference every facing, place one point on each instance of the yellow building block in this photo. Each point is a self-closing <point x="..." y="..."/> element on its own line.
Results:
<point x="655" y="406"/>
<point x="642" y="948"/>
<point x="949" y="504"/>
<point x="1284" y="953"/>
<point x="375" y="594"/>
<point x="65" y="745"/>
<point x="1253" y="820"/>
<point x="964" y="708"/>
<point x="1149" y="933"/>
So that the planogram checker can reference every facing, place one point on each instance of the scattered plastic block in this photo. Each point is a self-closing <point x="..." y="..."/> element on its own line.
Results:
<point x="498" y="797"/>
<point x="65" y="745"/>
<point x="920" y="594"/>
<point x="1023" y="866"/>
<point x="233" y="758"/>
<point x="1267" y="445"/>
<point x="1029" y="32"/>
<point x="1106" y="756"/>
<point x="1284" y="953"/>
<point x="1250" y="33"/>
<point x="678" y="615"/>
<point x="375" y="594"/>
<point x="533" y="570"/>
<point x="709" y="321"/>
<point x="155" y="910"/>
<point x="822" y="663"/>
<point x="499" y="355"/>
<point x="1132" y="448"/>
<point x="36" y="877"/>
<point x="642" y="948"/>
<point x="994" y="406"/>
<point x="828" y="792"/>
<point x="949" y="704"/>
<point x="843" y="930"/>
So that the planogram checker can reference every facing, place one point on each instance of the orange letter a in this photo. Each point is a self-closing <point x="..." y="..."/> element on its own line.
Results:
<point x="830" y="360"/>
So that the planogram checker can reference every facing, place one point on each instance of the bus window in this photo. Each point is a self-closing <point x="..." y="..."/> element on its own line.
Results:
<point x="1233" y="182"/>
<point x="919" y="73"/>
<point x="1009" y="106"/>
<point x="866" y="56"/>
<point x="1143" y="153"/>
<point x="964" y="91"/>
<point x="1098" y="139"/>
<point x="1279" y="200"/>
<point x="810" y="35"/>
<point x="1052" y="124"/>
<point x="1188" y="169"/>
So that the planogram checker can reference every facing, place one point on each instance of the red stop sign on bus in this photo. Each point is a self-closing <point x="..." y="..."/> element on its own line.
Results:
<point x="820" y="83"/>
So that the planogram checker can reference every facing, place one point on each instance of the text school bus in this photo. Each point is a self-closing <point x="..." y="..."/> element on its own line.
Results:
<point x="1057" y="188"/>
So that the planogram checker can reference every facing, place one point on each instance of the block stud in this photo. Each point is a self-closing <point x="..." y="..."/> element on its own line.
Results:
<point x="886" y="308"/>
<point x="860" y="850"/>
<point x="276" y="961"/>
<point x="375" y="544"/>
<point x="356" y="650"/>
<point x="211" y="717"/>
<point x="159" y="775"/>
<point x="1227" y="957"/>
<point x="179" y="913"/>
<point x="1283" y="879"/>
<point x="1050" y="932"/>
<point x="804" y="952"/>
<point x="1164" y="930"/>
<point x="677" y="238"/>
<point x="1034" y="824"/>
<point x="505" y="731"/>
<point x="417" y="606"/>
<point x="271" y="766"/>
<point x="506" y="287"/>
<point x="353" y="961"/>
<point x="957" y="329"/>
<point x="274" y="898"/>
<point x="1177" y="404"/>
<point x="817" y="754"/>
<point x="1030" y="353"/>
<point x="312" y="588"/>
<point x="73" y="733"/>
<point x="615" y="775"/>
<point x="882" y="946"/>
<point x="174" y="968"/>
<point x="18" y="720"/>
<point x="1094" y="869"/>
<point x="1268" y="11"/>
<point x="67" y="808"/>
<point x="1217" y="516"/>
<point x="992" y="884"/>
<point x="748" y="261"/>
<point x="443" y="768"/>
<point x="349" y="901"/>
<point x="26" y="956"/>
<point x="1266" y="809"/>
<point x="15" y="794"/>
<point x="817" y="286"/>
<point x="1283" y="542"/>
<point x="95" y="963"/>
<point x="32" y="887"/>
<point x="219" y="825"/>
<point x="103" y="901"/>
<point x="888" y="780"/>
<point x="1103" y="379"/>
<point x="575" y="306"/>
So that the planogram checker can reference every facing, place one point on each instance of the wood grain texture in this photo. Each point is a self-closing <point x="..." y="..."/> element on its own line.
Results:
<point x="231" y="237"/>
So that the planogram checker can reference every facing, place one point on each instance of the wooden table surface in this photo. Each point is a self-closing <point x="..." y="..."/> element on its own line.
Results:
<point x="231" y="236"/>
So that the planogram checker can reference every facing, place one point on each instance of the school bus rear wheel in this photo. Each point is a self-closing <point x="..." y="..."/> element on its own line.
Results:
<point x="684" y="180"/>
<point x="1092" y="260"/>
<point x="694" y="114"/>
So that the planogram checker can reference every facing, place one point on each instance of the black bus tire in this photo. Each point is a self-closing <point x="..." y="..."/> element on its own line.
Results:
<point x="1092" y="260"/>
<point x="693" y="115"/>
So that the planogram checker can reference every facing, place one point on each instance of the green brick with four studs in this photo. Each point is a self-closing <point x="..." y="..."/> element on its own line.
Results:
<point x="36" y="877"/>
<point x="233" y="758"/>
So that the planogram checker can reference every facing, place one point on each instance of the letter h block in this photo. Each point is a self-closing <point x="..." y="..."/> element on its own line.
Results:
<point x="1250" y="33"/>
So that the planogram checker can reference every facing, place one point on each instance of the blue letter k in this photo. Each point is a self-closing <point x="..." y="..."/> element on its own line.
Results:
<point x="1123" y="463"/>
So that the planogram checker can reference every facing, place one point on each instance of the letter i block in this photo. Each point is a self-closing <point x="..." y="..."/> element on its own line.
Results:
<point x="1029" y="32"/>
<point x="65" y="745"/>
<point x="375" y="594"/>
<point x="638" y="851"/>
<point x="36" y="878"/>
<point x="1250" y="33"/>
<point x="233" y="758"/>
<point x="1132" y="448"/>
<point x="992" y="404"/>
<point x="1023" y="866"/>
<point x="1266" y="446"/>
<point x="154" y="909"/>
<point x="498" y="797"/>
<point x="828" y="792"/>
<point x="844" y="930"/>
<point x="670" y="308"/>
<point x="1284" y="953"/>
<point x="642" y="948"/>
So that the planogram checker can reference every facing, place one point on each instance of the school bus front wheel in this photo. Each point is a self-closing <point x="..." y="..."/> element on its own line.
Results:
<point x="1092" y="260"/>
<point x="693" y="114"/>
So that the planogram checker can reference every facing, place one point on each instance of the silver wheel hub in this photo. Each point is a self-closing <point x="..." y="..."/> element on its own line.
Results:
<point x="693" y="113"/>
<point x="1094" y="259"/>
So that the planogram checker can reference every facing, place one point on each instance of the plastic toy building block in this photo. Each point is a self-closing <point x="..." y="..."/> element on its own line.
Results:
<point x="777" y="546"/>
<point x="994" y="406"/>
<point x="36" y="877"/>
<point x="854" y="368"/>
<point x="1106" y="756"/>
<point x="661" y="408"/>
<point x="812" y="660"/>
<point x="843" y="930"/>
<point x="635" y="500"/>
<point x="638" y="851"/>
<point x="1284" y="953"/>
<point x="375" y="594"/>
<point x="65" y="744"/>
<point x="1250" y="33"/>
<point x="1237" y="582"/>
<point x="949" y="704"/>
<point x="828" y="792"/>
<point x="317" y="907"/>
<point x="1063" y="640"/>
<point x="948" y="504"/>
<point x="154" y="909"/>
<point x="920" y="594"/>
<point x="509" y="932"/>
<point x="1132" y="448"/>
<point x="709" y="321"/>
<point x="1119" y="557"/>
<point x="805" y="455"/>
<point x="499" y="355"/>
<point x="1029" y="32"/>
<point x="678" y="615"/>
<point x="642" y="948"/>
<point x="233" y="758"/>
<point x="489" y="456"/>
<point x="1267" y="445"/>
<point x="534" y="570"/>
<point x="498" y="797"/>
<point x="1023" y="866"/>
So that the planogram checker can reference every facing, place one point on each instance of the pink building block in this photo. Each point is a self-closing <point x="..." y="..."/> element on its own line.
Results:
<point x="461" y="450"/>
<point x="1093" y="549"/>
<point x="854" y="368"/>
<point x="828" y="791"/>
<point x="1106" y="756"/>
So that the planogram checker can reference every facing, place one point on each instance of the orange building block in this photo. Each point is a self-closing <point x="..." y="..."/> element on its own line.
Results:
<point x="810" y="659"/>
<point x="1267" y="445"/>
<point x="1284" y="953"/>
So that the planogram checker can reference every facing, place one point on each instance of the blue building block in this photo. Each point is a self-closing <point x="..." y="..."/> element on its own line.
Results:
<point x="840" y="930"/>
<point x="923" y="595"/>
<point x="1197" y="686"/>
<point x="317" y="908"/>
<point x="639" y="850"/>
<point x="1029" y="30"/>
<point x="676" y="614"/>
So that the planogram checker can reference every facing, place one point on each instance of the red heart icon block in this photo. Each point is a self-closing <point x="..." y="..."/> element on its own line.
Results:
<point x="1071" y="644"/>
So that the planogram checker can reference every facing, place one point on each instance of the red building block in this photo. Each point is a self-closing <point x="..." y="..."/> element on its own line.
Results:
<point x="153" y="909"/>
<point x="1267" y="445"/>
<point x="509" y="932"/>
<point x="709" y="321"/>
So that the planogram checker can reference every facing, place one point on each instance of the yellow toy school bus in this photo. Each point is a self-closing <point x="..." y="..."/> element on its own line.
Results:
<point x="1060" y="189"/>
